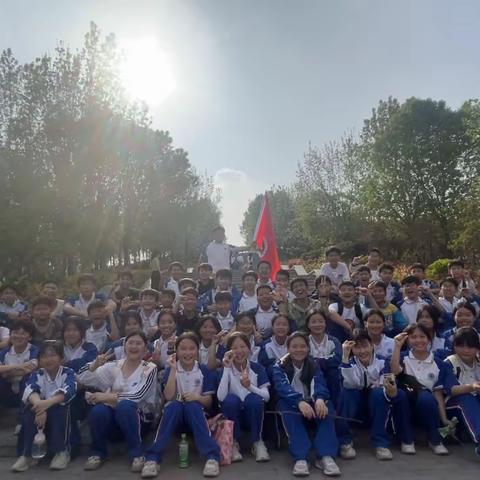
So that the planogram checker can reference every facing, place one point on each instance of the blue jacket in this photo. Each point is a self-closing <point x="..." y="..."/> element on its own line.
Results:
<point x="89" y="354"/>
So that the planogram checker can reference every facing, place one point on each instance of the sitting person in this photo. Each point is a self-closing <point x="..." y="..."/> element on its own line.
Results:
<point x="464" y="315"/>
<point x="245" y="323"/>
<point x="223" y="308"/>
<point x="149" y="312"/>
<point x="375" y="325"/>
<point x="275" y="348"/>
<point x="248" y="300"/>
<point x="11" y="307"/>
<point x="223" y="283"/>
<point x="324" y="292"/>
<point x="131" y="323"/>
<point x="76" y="351"/>
<point x="299" y="307"/>
<point x="429" y="317"/>
<point x="123" y="293"/>
<point x="205" y="281"/>
<point x="265" y="311"/>
<point x="50" y="290"/>
<point x="211" y="335"/>
<point x="188" y="316"/>
<point x="164" y="346"/>
<point x="45" y="327"/>
<point x="101" y="332"/>
<point x="301" y="389"/>
<point x="394" y="321"/>
<point x="394" y="289"/>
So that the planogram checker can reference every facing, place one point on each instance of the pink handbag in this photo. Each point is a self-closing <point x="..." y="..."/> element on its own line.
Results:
<point x="222" y="432"/>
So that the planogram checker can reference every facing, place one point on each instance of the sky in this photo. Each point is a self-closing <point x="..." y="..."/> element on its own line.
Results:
<point x="257" y="80"/>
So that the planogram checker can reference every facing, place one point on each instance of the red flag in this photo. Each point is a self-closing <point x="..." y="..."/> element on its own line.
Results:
<point x="264" y="237"/>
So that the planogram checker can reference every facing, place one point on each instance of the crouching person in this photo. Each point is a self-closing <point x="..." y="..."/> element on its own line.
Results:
<point x="188" y="391"/>
<point x="47" y="394"/>
<point x="124" y="407"/>
<point x="303" y="395"/>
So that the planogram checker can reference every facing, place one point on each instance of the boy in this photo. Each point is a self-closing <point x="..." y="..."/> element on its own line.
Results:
<point x="50" y="289"/>
<point x="334" y="269"/>
<point x="466" y="286"/>
<point x="264" y="272"/>
<point x="394" y="319"/>
<point x="363" y="277"/>
<point x="205" y="281"/>
<point x="223" y="283"/>
<point x="124" y="295"/>
<point x="298" y="308"/>
<point x="248" y="301"/>
<point x="282" y="282"/>
<point x="265" y="311"/>
<point x="44" y="326"/>
<point x="186" y="282"/>
<point x="188" y="316"/>
<point x="418" y="270"/>
<point x="11" y="307"/>
<point x="223" y="304"/>
<point x="100" y="332"/>
<point x="166" y="299"/>
<point x="175" y="270"/>
<point x="373" y="263"/>
<point x="323" y="291"/>
<point x="148" y="311"/>
<point x="394" y="290"/>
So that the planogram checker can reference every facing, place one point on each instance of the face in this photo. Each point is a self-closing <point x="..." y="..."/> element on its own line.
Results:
<point x="264" y="298"/>
<point x="281" y="327"/>
<point x="222" y="283"/>
<point x="299" y="290"/>
<point x="364" y="277"/>
<point x="125" y="282"/>
<point x="186" y="285"/>
<point x="208" y="330"/>
<point x="333" y="258"/>
<point x="132" y="325"/>
<point x="41" y="312"/>
<point x="240" y="350"/>
<point x="190" y="302"/>
<point x="418" y="341"/>
<point x="223" y="307"/>
<point x="72" y="335"/>
<point x="204" y="274"/>
<point x="264" y="271"/>
<point x="9" y="296"/>
<point x="86" y="288"/>
<point x="149" y="302"/>
<point x="176" y="273"/>
<point x="317" y="324"/>
<point x="50" y="361"/>
<point x="166" y="325"/>
<point x="466" y="354"/>
<point x="298" y="349"/>
<point x="282" y="280"/>
<point x="456" y="271"/>
<point x="374" y="258"/>
<point x="379" y="295"/>
<point x="347" y="293"/>
<point x="375" y="324"/>
<point x="425" y="320"/>
<point x="165" y="300"/>
<point x="245" y="325"/>
<point x="97" y="316"/>
<point x="50" y="290"/>
<point x="135" y="348"/>
<point x="418" y="272"/>
<point x="363" y="351"/>
<point x="187" y="352"/>
<point x="324" y="289"/>
<point x="218" y="236"/>
<point x="410" y="290"/>
<point x="464" y="318"/>
<point x="249" y="283"/>
<point x="19" y="338"/>
<point x="448" y="289"/>
<point x="386" y="276"/>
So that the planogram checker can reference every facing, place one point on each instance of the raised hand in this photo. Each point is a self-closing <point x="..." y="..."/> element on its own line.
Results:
<point x="245" y="378"/>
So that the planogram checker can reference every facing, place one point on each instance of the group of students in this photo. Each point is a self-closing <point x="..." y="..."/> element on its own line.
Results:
<point x="359" y="349"/>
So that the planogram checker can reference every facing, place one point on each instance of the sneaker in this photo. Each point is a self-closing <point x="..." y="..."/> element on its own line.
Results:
<point x="300" y="469"/>
<point x="60" y="461"/>
<point x="150" y="469"/>
<point x="18" y="428"/>
<point x="408" y="448"/>
<point x="477" y="449"/>
<point x="137" y="464"/>
<point x="328" y="466"/>
<point x="22" y="464"/>
<point x="439" y="449"/>
<point x="383" y="453"/>
<point x="347" y="452"/>
<point x="260" y="451"/>
<point x="93" y="462"/>
<point x="211" y="469"/>
<point x="236" y="455"/>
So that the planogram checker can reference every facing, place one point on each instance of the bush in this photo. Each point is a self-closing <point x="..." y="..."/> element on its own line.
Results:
<point x="438" y="269"/>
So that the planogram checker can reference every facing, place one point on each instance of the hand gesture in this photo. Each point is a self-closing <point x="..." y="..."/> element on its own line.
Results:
<point x="245" y="378"/>
<point x="41" y="406"/>
<point x="400" y="339"/>
<point x="102" y="359"/>
<point x="172" y="361"/>
<point x="306" y="410"/>
<point x="257" y="335"/>
<point x="347" y="348"/>
<point x="390" y="385"/>
<point x="476" y="386"/>
<point x="228" y="359"/>
<point x="321" y="409"/>
<point x="41" y="419"/>
<point x="363" y="291"/>
<point x="212" y="308"/>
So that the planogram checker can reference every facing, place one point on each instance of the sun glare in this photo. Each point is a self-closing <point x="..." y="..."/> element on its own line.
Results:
<point x="146" y="71"/>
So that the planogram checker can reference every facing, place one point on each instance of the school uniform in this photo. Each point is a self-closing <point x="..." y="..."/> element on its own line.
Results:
<point x="100" y="337"/>
<point x="263" y="320"/>
<point x="178" y="414"/>
<point x="385" y="347"/>
<point x="410" y="309"/>
<point x="240" y="404"/>
<point x="57" y="427"/>
<point x="135" y="409"/>
<point x="293" y="385"/>
<point x="271" y="352"/>
<point x="186" y="324"/>
<point x="394" y="293"/>
<point x="446" y="319"/>
<point x="465" y="407"/>
<point x="395" y="322"/>
<point x="226" y="321"/>
<point x="4" y="334"/>
<point x="337" y="275"/>
<point x="161" y="345"/>
<point x="203" y="353"/>
<point x="6" y="310"/>
<point x="449" y="334"/>
<point x="363" y="397"/>
<point x="354" y="314"/>
<point x="205" y="287"/>
<point x="441" y="347"/>
<point x="78" y="356"/>
<point x="80" y="303"/>
<point x="247" y="302"/>
<point x="298" y="314"/>
<point x="148" y="320"/>
<point x="208" y="298"/>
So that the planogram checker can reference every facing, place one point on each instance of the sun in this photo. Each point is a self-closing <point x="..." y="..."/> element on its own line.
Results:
<point x="146" y="71"/>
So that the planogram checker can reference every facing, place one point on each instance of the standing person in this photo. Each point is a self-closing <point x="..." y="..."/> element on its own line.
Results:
<point x="175" y="272"/>
<point x="50" y="289"/>
<point x="303" y="398"/>
<point x="336" y="270"/>
<point x="373" y="263"/>
<point x="124" y="294"/>
<point x="248" y="300"/>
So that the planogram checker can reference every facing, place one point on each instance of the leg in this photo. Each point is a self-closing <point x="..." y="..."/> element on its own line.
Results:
<point x="332" y="376"/>
<point x="348" y="406"/>
<point x="127" y="418"/>
<point x="254" y="408"/>
<point x="325" y="441"/>
<point x="28" y="431"/>
<point x="58" y="428"/>
<point x="299" y="442"/>
<point x="426" y="412"/>
<point x="9" y="398"/>
<point x="467" y="408"/>
<point x="231" y="408"/>
<point x="102" y="421"/>
<point x="171" y="419"/>
<point x="401" y="417"/>
<point x="205" y="443"/>
<point x="379" y="408"/>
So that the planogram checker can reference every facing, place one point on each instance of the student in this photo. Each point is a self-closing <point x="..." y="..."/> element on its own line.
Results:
<point x="223" y="283"/>
<point x="464" y="402"/>
<point x="282" y="283"/>
<point x="264" y="272"/>
<point x="466" y="286"/>
<point x="76" y="351"/>
<point x="394" y="289"/>
<point x="211" y="335"/>
<point x="16" y="363"/>
<point x="125" y="405"/>
<point x="448" y="301"/>
<point x="411" y="303"/>
<point x="132" y="323"/>
<point x="265" y="311"/>
<point x="100" y="333"/>
<point x="47" y="395"/>
<point x="188" y="316"/>
<point x="333" y="268"/>
<point x="248" y="300"/>
<point x="373" y="264"/>
<point x="175" y="272"/>
<point x="218" y="253"/>
<point x="50" y="289"/>
<point x="167" y="299"/>
<point x="425" y="379"/>
<point x="245" y="323"/>
<point x="419" y="270"/>
<point x="429" y="317"/>
<point x="375" y="325"/>
<point x="45" y="327"/>
<point x="394" y="319"/>
<point x="185" y="283"/>
<point x="464" y="315"/>
<point x="223" y="305"/>
<point x="123" y="294"/>
<point x="188" y="390"/>
<point x="299" y="307"/>
<point x="363" y="278"/>
<point x="205" y="281"/>
<point x="242" y="392"/>
<point x="148" y="311"/>
<point x="303" y="398"/>
<point x="366" y="394"/>
<point x="275" y="348"/>
<point x="165" y="344"/>
<point x="4" y="337"/>
<point x="323" y="292"/>
<point x="11" y="307"/>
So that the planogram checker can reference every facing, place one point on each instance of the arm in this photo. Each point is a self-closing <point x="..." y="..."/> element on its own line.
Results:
<point x="336" y="318"/>
<point x="223" y="387"/>
<point x="395" y="366"/>
<point x="89" y="356"/>
<point x="142" y="388"/>
<point x="434" y="299"/>
<point x="170" y="390"/>
<point x="438" y="394"/>
<point x="114" y="331"/>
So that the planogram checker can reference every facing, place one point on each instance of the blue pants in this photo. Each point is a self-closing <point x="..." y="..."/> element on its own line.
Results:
<point x="467" y="409"/>
<point x="177" y="415"/>
<point x="57" y="430"/>
<point x="107" y="423"/>
<point x="325" y="442"/>
<point x="248" y="412"/>
<point x="334" y="384"/>
<point x="9" y="398"/>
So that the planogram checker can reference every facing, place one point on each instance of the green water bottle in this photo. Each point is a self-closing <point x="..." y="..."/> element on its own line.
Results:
<point x="183" y="452"/>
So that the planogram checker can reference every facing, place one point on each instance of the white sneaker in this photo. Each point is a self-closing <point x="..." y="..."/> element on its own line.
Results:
<point x="383" y="453"/>
<point x="60" y="461"/>
<point x="260" y="451"/>
<point x="300" y="469"/>
<point x="150" y="469"/>
<point x="328" y="466"/>
<point x="439" y="449"/>
<point x="94" y="462"/>
<point x="236" y="455"/>
<point x="347" y="452"/>
<point x="408" y="448"/>
<point x="211" y="469"/>
<point x="137" y="464"/>
<point x="22" y="464"/>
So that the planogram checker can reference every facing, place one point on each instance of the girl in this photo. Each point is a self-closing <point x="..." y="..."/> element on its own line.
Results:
<point x="132" y="323"/>
<point x="325" y="349"/>
<point x="465" y="364"/>
<point x="211" y="351"/>
<point x="126" y="401"/>
<point x="429" y="317"/>
<point x="367" y="393"/>
<point x="375" y="325"/>
<point x="275" y="348"/>
<point x="242" y="392"/>
<point x="424" y="378"/>
<point x="303" y="396"/>
<point x="165" y="345"/>
<point x="246" y="324"/>
<point x="188" y="391"/>
<point x="324" y="291"/>
<point x="76" y="351"/>
<point x="464" y="315"/>
<point x="46" y="396"/>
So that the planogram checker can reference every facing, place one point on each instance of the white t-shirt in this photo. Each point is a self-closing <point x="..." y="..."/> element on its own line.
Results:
<point x="336" y="275"/>
<point x="247" y="302"/>
<point x="410" y="309"/>
<point x="218" y="255"/>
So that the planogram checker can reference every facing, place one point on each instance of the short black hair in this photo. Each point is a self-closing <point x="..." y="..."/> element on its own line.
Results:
<point x="9" y="286"/>
<point x="250" y="273"/>
<point x="223" y="297"/>
<point x="136" y="334"/>
<point x="466" y="337"/>
<point x="49" y="280"/>
<point x="77" y="322"/>
<point x="332" y="249"/>
<point x="20" y="324"/>
<point x="206" y="318"/>
<point x="374" y="249"/>
<point x="410" y="279"/>
<point x="96" y="304"/>
<point x="125" y="273"/>
<point x="379" y="284"/>
<point x="346" y="283"/>
<point x="241" y="315"/>
<point x="360" y="335"/>
<point x="434" y="313"/>
<point x="187" y="336"/>
<point x="372" y="312"/>
<point x="205" y="266"/>
<point x="449" y="280"/>
<point x="456" y="263"/>
<point x="260" y="287"/>
<point x="224" y="273"/>
<point x="43" y="300"/>
<point x="175" y="264"/>
<point x="233" y="336"/>
<point x="409" y="329"/>
<point x="418" y="265"/>
<point x="265" y="262"/>
<point x="169" y="292"/>
<point x="283" y="272"/>
<point x="298" y="279"/>
<point x="364" y="268"/>
<point x="86" y="277"/>
<point x="50" y="345"/>
<point x="188" y="280"/>
<point x="386" y="266"/>
<point x="322" y="278"/>
<point x="466" y="305"/>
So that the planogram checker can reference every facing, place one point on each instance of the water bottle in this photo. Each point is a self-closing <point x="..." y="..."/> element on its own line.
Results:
<point x="39" y="447"/>
<point x="183" y="452"/>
